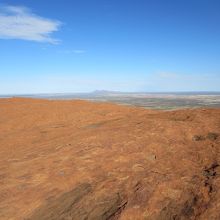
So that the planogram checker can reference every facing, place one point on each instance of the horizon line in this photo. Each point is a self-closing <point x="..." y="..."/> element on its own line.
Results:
<point x="107" y="91"/>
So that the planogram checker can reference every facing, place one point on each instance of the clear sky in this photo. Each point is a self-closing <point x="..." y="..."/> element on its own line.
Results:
<point x="49" y="46"/>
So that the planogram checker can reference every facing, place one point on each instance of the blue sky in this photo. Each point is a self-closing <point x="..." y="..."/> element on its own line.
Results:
<point x="124" y="45"/>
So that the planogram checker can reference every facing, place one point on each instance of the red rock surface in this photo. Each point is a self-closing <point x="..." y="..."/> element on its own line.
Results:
<point x="83" y="160"/>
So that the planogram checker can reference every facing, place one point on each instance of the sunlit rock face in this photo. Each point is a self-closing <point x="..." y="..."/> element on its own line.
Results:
<point x="84" y="160"/>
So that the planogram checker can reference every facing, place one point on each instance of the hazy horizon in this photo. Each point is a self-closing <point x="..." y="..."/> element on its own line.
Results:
<point x="112" y="91"/>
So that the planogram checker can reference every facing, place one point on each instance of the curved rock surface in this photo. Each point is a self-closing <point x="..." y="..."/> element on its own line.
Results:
<point x="99" y="161"/>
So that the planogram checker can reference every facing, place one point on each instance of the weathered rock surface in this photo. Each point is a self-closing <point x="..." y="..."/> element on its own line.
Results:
<point x="79" y="160"/>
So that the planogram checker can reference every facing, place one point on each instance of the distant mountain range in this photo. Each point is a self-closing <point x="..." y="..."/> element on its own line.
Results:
<point x="106" y="93"/>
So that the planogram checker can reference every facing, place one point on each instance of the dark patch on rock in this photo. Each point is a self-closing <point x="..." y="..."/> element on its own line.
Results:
<point x="212" y="136"/>
<point x="198" y="138"/>
<point x="108" y="209"/>
<point x="60" y="207"/>
<point x="177" y="211"/>
<point x="211" y="171"/>
<point x="82" y="203"/>
<point x="188" y="209"/>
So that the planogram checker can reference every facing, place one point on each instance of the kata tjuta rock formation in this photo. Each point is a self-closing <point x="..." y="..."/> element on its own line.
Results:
<point x="97" y="161"/>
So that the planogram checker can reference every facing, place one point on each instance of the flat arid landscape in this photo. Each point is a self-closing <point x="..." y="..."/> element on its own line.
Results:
<point x="77" y="159"/>
<point x="164" y="101"/>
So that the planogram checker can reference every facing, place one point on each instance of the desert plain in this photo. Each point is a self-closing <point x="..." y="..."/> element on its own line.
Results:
<point x="75" y="159"/>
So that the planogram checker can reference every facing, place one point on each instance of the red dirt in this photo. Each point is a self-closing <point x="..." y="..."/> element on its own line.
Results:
<point x="83" y="160"/>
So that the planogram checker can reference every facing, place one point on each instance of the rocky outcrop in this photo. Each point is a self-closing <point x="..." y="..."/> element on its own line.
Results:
<point x="75" y="160"/>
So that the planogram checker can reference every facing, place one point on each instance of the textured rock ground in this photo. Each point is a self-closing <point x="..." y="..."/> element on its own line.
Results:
<point x="83" y="160"/>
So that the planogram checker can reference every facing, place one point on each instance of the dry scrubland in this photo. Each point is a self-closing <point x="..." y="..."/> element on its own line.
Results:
<point x="82" y="160"/>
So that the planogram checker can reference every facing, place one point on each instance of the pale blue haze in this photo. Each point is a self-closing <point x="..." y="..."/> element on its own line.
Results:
<point x="123" y="45"/>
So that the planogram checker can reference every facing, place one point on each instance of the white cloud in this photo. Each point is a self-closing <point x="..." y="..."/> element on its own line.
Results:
<point x="20" y="23"/>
